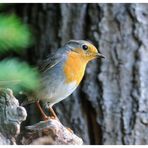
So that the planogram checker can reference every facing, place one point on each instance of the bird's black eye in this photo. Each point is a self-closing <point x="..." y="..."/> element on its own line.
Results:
<point x="84" y="47"/>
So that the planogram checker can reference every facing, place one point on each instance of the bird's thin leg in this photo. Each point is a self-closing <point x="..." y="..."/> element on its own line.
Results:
<point x="42" y="112"/>
<point x="53" y="113"/>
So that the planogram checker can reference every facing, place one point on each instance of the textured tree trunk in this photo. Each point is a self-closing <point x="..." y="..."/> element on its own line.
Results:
<point x="11" y="117"/>
<point x="111" y="104"/>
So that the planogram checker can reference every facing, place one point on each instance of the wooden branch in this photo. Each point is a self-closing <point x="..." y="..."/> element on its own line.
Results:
<point x="11" y="116"/>
<point x="49" y="132"/>
<point x="44" y="132"/>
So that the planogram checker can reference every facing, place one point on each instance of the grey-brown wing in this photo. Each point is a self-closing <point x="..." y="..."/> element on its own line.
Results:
<point x="51" y="61"/>
<point x="43" y="66"/>
<point x="48" y="63"/>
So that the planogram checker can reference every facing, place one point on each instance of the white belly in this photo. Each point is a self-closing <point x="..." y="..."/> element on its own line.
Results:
<point x="60" y="93"/>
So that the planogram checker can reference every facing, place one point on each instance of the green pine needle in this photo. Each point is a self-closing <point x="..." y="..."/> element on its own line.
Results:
<point x="14" y="35"/>
<point x="18" y="75"/>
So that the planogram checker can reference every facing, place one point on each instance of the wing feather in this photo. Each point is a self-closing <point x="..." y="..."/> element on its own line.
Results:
<point x="51" y="61"/>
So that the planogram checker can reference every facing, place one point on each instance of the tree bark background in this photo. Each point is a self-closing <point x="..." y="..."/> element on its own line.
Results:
<point x="111" y="104"/>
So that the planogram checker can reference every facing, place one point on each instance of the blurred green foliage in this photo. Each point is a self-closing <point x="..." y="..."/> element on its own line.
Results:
<point x="18" y="75"/>
<point x="13" y="34"/>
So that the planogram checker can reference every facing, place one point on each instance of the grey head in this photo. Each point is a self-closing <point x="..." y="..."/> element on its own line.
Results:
<point x="84" y="48"/>
<point x="73" y="44"/>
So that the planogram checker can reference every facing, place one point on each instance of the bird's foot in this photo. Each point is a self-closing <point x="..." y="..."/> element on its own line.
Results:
<point x="54" y="118"/>
<point x="70" y="130"/>
<point x="45" y="118"/>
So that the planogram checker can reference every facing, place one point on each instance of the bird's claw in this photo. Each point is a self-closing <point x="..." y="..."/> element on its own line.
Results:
<point x="69" y="129"/>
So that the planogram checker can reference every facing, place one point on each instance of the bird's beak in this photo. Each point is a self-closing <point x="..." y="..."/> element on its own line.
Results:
<point x="99" y="55"/>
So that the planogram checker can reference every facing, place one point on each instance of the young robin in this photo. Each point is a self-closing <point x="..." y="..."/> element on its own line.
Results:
<point x="62" y="72"/>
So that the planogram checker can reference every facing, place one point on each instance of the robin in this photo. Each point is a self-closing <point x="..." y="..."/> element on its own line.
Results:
<point x="62" y="72"/>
